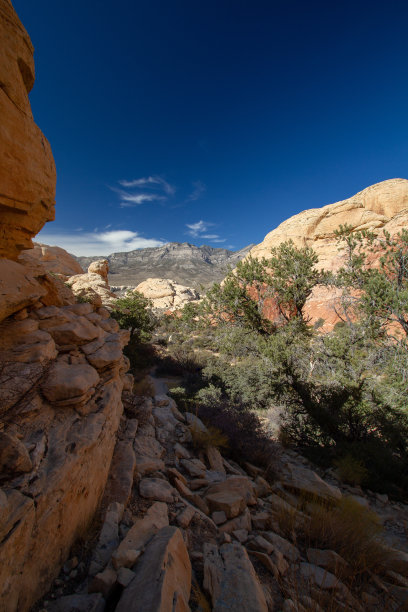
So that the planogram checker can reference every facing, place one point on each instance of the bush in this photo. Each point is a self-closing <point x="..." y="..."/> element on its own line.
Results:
<point x="351" y="530"/>
<point x="133" y="312"/>
<point x="247" y="438"/>
<point x="351" y="470"/>
<point x="213" y="437"/>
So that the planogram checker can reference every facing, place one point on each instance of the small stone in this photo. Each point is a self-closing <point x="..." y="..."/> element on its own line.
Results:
<point x="261" y="520"/>
<point x="241" y="535"/>
<point x="219" y="517"/>
<point x="185" y="517"/>
<point x="181" y="452"/>
<point x="382" y="498"/>
<point x="125" y="576"/>
<point x="70" y="565"/>
<point x="103" y="582"/>
<point x="157" y="489"/>
<point x="127" y="558"/>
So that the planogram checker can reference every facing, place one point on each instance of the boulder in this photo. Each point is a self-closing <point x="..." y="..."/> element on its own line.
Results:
<point x="14" y="457"/>
<point x="78" y="603"/>
<point x="67" y="384"/>
<point x="67" y="328"/>
<point x="140" y="533"/>
<point x="166" y="294"/>
<point x="235" y="485"/>
<point x="157" y="489"/>
<point x="162" y="581"/>
<point x="230" y="579"/>
<point x="243" y="521"/>
<point x="229" y="502"/>
<point x="94" y="284"/>
<point x="330" y="560"/>
<point x="54" y="259"/>
<point x="308" y="483"/>
<point x="284" y="546"/>
<point x="18" y="288"/>
<point x="108" y="538"/>
<point x="121" y="473"/>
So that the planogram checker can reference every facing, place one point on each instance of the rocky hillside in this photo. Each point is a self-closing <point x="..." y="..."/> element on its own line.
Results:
<point x="183" y="263"/>
<point x="383" y="206"/>
<point x="184" y="528"/>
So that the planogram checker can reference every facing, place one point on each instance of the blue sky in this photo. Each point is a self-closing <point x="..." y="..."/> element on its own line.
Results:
<point x="213" y="121"/>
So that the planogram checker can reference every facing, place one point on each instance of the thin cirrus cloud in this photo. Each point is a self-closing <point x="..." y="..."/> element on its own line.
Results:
<point x="98" y="243"/>
<point x="200" y="229"/>
<point x="150" y="182"/>
<point x="141" y="190"/>
<point x="153" y="189"/>
<point x="198" y="191"/>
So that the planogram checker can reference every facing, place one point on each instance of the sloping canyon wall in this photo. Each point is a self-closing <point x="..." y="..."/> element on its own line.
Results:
<point x="383" y="206"/>
<point x="62" y="370"/>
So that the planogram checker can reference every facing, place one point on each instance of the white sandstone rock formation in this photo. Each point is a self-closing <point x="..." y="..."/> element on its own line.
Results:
<point x="166" y="294"/>
<point x="93" y="286"/>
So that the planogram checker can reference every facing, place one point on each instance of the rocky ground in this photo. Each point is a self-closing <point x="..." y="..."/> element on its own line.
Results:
<point x="187" y="529"/>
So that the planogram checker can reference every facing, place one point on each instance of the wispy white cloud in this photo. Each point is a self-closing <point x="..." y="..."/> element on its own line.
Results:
<point x="199" y="189"/>
<point x="150" y="181"/>
<point x="199" y="230"/>
<point x="141" y="190"/>
<point x="196" y="229"/>
<point x="98" y="243"/>
<point x="129" y="199"/>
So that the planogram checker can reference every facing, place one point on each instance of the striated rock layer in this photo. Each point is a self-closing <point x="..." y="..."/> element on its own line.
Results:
<point x="27" y="170"/>
<point x="383" y="206"/>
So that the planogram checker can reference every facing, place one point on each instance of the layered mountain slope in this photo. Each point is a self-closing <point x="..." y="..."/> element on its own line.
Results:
<point x="383" y="206"/>
<point x="183" y="263"/>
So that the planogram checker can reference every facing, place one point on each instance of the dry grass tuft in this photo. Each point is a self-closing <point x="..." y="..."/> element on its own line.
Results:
<point x="351" y="530"/>
<point x="351" y="470"/>
<point x="202" y="440"/>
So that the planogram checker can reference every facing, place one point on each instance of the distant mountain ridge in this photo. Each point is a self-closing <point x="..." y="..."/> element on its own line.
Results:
<point x="182" y="262"/>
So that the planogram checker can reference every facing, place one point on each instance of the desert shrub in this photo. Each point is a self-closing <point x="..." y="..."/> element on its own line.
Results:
<point x="351" y="470"/>
<point x="133" y="312"/>
<point x="213" y="437"/>
<point x="83" y="299"/>
<point x="351" y="530"/>
<point x="247" y="438"/>
<point x="141" y="355"/>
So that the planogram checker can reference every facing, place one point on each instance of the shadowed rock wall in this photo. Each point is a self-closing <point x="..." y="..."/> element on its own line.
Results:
<point x="62" y="370"/>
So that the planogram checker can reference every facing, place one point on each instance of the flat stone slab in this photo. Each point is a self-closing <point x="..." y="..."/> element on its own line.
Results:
<point x="162" y="581"/>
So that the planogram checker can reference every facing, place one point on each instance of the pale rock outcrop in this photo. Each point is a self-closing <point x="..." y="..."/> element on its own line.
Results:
<point x="166" y="294"/>
<point x="27" y="170"/>
<point x="383" y="206"/>
<point x="54" y="259"/>
<point x="93" y="286"/>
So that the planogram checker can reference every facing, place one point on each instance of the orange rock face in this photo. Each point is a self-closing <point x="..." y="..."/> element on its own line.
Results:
<point x="53" y="258"/>
<point x="383" y="206"/>
<point x="27" y="170"/>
